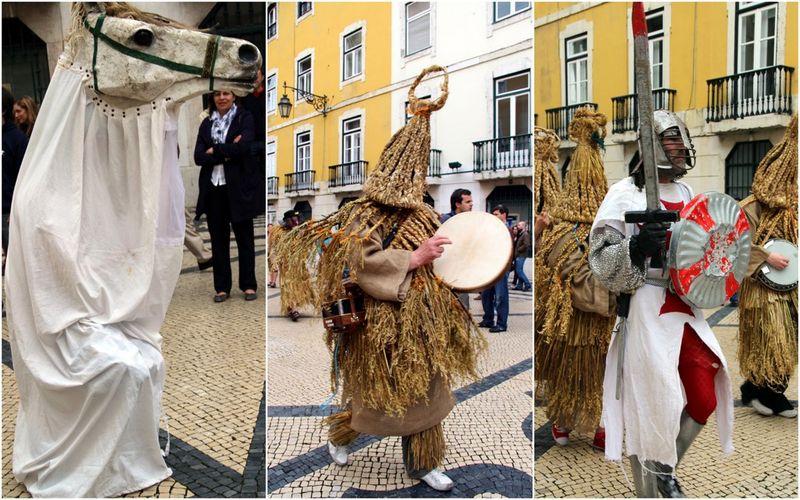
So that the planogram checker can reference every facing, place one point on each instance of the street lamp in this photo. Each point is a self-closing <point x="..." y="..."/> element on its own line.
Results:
<point x="320" y="102"/>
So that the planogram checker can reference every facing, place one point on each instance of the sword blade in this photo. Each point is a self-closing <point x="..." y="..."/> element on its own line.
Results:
<point x="644" y="91"/>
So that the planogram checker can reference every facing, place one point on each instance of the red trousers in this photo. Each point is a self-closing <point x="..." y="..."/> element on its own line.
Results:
<point x="697" y="367"/>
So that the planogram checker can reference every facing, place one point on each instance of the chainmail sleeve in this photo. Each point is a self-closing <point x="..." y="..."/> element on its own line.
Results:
<point x="610" y="260"/>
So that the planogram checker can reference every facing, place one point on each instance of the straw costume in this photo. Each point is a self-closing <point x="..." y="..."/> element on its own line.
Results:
<point x="574" y="313"/>
<point x="545" y="184"/>
<point x="292" y="290"/>
<point x="417" y="340"/>
<point x="768" y="318"/>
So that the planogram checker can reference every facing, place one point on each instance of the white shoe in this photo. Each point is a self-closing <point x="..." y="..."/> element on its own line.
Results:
<point x="438" y="480"/>
<point x="789" y="413"/>
<point x="338" y="453"/>
<point x="761" y="408"/>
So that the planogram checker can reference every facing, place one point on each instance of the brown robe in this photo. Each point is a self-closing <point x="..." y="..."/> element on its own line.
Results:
<point x="385" y="276"/>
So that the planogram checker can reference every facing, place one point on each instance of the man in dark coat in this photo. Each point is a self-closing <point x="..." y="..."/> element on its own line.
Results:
<point x="15" y="142"/>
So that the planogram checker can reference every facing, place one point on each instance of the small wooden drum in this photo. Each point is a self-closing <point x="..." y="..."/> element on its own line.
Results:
<point x="480" y="252"/>
<point x="346" y="314"/>
<point x="785" y="279"/>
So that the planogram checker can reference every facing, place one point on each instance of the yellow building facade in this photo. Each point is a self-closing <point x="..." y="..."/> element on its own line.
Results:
<point x="319" y="156"/>
<point x="727" y="69"/>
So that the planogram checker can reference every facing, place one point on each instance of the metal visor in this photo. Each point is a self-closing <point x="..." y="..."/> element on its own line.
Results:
<point x="709" y="250"/>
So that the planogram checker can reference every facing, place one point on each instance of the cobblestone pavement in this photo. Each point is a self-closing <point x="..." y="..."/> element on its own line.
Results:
<point x="763" y="465"/>
<point x="214" y="392"/>
<point x="488" y="433"/>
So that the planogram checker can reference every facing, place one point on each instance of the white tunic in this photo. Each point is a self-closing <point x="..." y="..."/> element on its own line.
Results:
<point x="652" y="399"/>
<point x="94" y="255"/>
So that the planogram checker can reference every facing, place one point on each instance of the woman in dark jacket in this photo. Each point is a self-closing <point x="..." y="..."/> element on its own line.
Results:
<point x="231" y="191"/>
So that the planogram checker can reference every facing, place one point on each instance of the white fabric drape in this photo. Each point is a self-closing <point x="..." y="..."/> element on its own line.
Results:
<point x="648" y="412"/>
<point x="94" y="255"/>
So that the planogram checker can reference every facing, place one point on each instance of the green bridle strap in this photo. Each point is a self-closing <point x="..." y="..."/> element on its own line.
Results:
<point x="207" y="71"/>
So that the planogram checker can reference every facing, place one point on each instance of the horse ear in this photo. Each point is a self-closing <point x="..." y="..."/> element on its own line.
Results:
<point x="95" y="7"/>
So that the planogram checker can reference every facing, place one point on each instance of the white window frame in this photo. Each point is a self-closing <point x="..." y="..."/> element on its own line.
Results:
<point x="359" y="133"/>
<point x="307" y="13"/>
<point x="303" y="152"/>
<point x="357" y="54"/>
<point x="513" y="10"/>
<point x="272" y="97"/>
<point x="408" y="21"/>
<point x="272" y="166"/>
<point x="274" y="9"/>
<point x="666" y="10"/>
<point x="512" y="95"/>
<point x="575" y="60"/>
<point x="308" y="76"/>
<point x="758" y="37"/>
<point x="654" y="38"/>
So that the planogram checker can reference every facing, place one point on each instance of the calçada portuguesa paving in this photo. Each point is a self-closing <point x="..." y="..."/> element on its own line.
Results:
<point x="488" y="433"/>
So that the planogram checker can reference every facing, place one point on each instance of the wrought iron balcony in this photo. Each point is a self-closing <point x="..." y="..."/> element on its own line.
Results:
<point x="347" y="174"/>
<point x="558" y="118"/>
<point x="503" y="153"/>
<point x="625" y="109"/>
<point x="272" y="186"/>
<point x="758" y="92"/>
<point x="435" y="165"/>
<point x="298" y="181"/>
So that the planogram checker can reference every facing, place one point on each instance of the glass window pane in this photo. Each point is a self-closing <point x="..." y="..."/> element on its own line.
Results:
<point x="748" y="28"/>
<point x="768" y="53"/>
<point x="357" y="57"/>
<point x="419" y="34"/>
<point x="352" y="40"/>
<point x="519" y="82"/>
<point x="521" y="115"/>
<point x="747" y="57"/>
<point x="415" y="8"/>
<point x="520" y="6"/>
<point x="768" y="23"/>
<point x="304" y="65"/>
<point x="502" y="9"/>
<point x="582" y="75"/>
<point x="504" y="117"/>
<point x="655" y="23"/>
<point x="576" y="47"/>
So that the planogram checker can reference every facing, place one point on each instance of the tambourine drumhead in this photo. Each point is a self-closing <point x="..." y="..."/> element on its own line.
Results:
<point x="786" y="278"/>
<point x="480" y="252"/>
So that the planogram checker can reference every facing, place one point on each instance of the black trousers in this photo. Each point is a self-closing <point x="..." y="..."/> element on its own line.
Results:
<point x="219" y="227"/>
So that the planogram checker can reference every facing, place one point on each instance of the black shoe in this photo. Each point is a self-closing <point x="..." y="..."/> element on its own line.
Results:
<point x="250" y="296"/>
<point x="777" y="402"/>
<point x="294" y="315"/>
<point x="668" y="487"/>
<point x="486" y="324"/>
<point x="205" y="265"/>
<point x="519" y="288"/>
<point x="749" y="392"/>
<point x="221" y="297"/>
<point x="496" y="329"/>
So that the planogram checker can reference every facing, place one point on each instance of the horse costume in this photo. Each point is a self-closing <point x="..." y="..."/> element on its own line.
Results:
<point x="96" y="245"/>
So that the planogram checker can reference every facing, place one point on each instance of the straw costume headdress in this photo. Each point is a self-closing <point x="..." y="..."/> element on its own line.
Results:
<point x="571" y="344"/>
<point x="546" y="185"/>
<point x="768" y="318"/>
<point x="393" y="360"/>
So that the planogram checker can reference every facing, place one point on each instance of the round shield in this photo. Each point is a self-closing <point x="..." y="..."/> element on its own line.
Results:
<point x="709" y="250"/>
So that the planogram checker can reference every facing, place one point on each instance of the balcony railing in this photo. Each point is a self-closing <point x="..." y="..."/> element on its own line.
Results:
<point x="347" y="174"/>
<point x="503" y="153"/>
<point x="299" y="181"/>
<point x="758" y="92"/>
<point x="272" y="186"/>
<point x="625" y="109"/>
<point x="435" y="165"/>
<point x="558" y="118"/>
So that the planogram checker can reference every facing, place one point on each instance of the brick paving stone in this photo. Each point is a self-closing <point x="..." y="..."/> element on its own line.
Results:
<point x="214" y="392"/>
<point x="489" y="452"/>
<point x="763" y="465"/>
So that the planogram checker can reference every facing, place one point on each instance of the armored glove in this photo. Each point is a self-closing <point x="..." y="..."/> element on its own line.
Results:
<point x="648" y="243"/>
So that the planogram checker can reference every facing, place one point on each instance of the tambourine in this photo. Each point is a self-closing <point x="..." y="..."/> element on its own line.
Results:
<point x="479" y="254"/>
<point x="785" y="279"/>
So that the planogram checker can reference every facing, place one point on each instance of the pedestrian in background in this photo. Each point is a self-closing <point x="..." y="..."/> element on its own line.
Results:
<point x="14" y="145"/>
<point x="231" y="191"/>
<point x="495" y="298"/>
<point x="25" y="111"/>
<point x="460" y="201"/>
<point x="522" y="248"/>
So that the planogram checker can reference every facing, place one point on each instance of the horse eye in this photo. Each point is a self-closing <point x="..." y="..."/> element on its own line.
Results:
<point x="143" y="37"/>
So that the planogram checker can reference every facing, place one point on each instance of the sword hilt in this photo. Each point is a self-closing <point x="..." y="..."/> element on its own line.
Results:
<point x="653" y="216"/>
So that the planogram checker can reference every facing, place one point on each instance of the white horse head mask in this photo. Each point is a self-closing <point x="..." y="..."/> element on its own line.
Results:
<point x="137" y="57"/>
